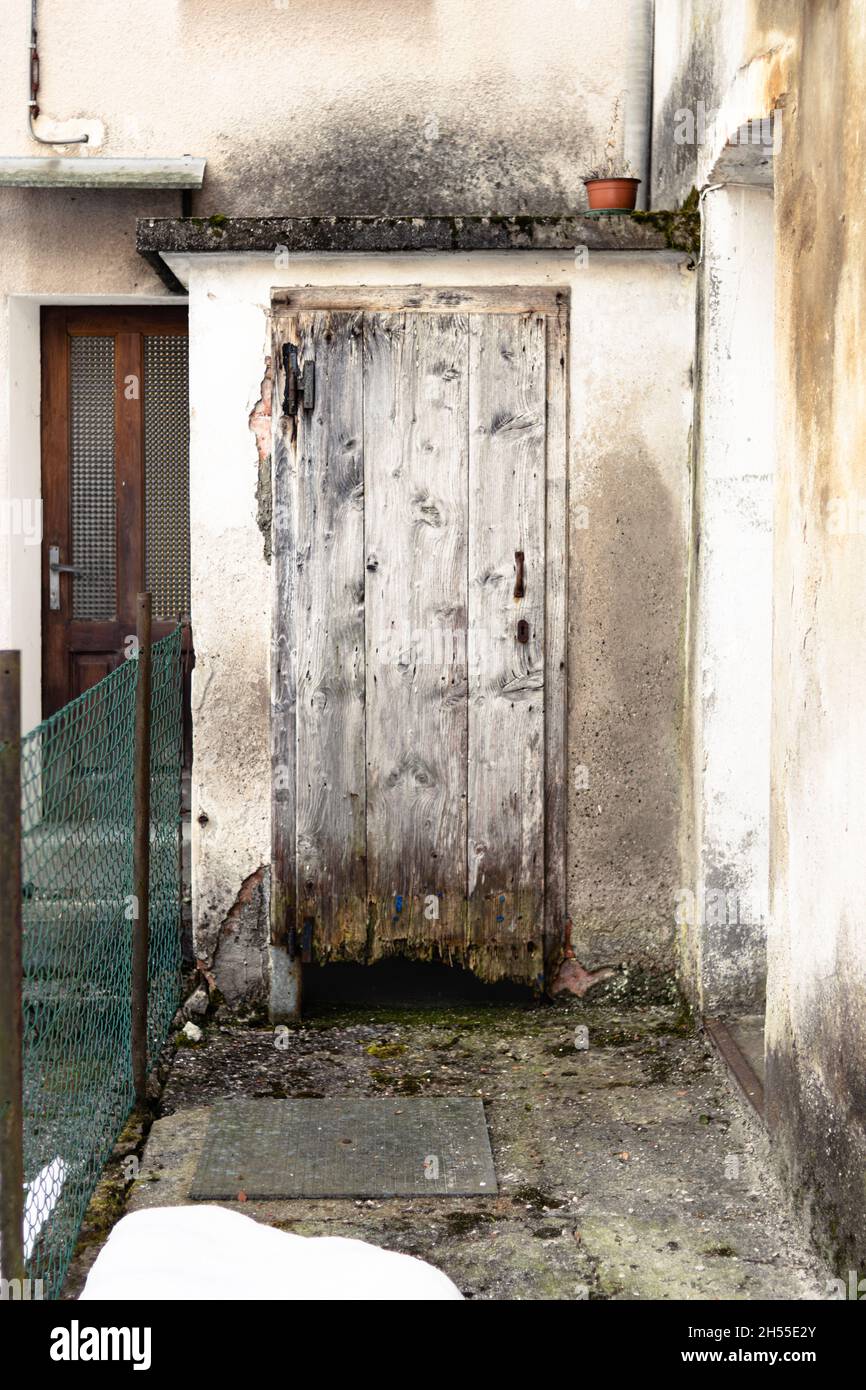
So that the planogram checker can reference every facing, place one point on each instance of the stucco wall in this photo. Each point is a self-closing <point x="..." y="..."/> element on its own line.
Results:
<point x="631" y="406"/>
<point x="354" y="106"/>
<point x="698" y="46"/>
<point x="632" y="345"/>
<point x="723" y="906"/>
<point x="807" y="60"/>
<point x="716" y="72"/>
<point x="816" y="1018"/>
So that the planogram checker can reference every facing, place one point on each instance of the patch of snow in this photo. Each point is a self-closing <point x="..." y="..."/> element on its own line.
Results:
<point x="208" y="1252"/>
<point x="41" y="1197"/>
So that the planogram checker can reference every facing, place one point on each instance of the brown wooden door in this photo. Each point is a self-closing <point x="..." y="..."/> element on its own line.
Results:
<point x="115" y="485"/>
<point x="420" y="628"/>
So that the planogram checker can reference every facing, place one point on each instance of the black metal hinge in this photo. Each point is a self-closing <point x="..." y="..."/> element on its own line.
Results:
<point x="300" y="382"/>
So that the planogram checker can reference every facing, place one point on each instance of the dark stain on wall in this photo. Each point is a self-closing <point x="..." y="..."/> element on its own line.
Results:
<point x="696" y="86"/>
<point x="626" y="602"/>
<point x="355" y="163"/>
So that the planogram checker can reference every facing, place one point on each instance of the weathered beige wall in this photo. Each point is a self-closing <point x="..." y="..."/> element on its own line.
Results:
<point x="632" y="345"/>
<point x="714" y="71"/>
<point x="723" y="909"/>
<point x="816" y="1017"/>
<point x="698" y="48"/>
<point x="809" y="60"/>
<point x="353" y="106"/>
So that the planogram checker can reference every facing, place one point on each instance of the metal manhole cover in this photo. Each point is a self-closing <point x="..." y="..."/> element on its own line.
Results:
<point x="364" y="1147"/>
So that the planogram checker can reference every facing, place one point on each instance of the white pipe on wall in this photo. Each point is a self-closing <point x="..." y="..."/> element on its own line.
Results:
<point x="639" y="92"/>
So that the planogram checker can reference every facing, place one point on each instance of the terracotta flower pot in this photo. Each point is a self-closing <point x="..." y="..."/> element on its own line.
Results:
<point x="611" y="195"/>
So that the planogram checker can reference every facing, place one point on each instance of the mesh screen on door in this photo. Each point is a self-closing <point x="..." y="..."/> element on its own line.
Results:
<point x="91" y="365"/>
<point x="166" y="472"/>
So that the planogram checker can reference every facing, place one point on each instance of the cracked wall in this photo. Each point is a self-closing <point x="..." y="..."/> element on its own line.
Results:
<point x="631" y="347"/>
<point x="231" y="604"/>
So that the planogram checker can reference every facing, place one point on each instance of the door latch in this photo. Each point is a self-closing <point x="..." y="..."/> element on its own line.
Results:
<point x="520" y="580"/>
<point x="300" y="382"/>
<point x="55" y="569"/>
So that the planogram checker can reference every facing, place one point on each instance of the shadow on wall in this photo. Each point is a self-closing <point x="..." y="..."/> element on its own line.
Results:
<point x="626" y="635"/>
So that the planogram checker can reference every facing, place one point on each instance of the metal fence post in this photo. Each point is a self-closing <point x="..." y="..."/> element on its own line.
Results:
<point x="141" y="852"/>
<point x="11" y="1099"/>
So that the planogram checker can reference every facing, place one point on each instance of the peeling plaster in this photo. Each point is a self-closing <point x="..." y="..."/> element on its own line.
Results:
<point x="239" y="961"/>
<point x="261" y="425"/>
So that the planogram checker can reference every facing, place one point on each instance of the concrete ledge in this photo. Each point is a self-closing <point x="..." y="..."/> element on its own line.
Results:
<point x="51" y="171"/>
<point x="195" y="235"/>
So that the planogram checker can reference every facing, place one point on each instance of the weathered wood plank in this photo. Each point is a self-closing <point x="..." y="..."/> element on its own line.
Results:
<point x="392" y="299"/>
<point x="506" y="675"/>
<point x="329" y="623"/>
<point x="555" y="647"/>
<point x="415" y="447"/>
<point x="283" y="906"/>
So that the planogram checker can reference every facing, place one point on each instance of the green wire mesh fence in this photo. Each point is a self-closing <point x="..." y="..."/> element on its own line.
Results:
<point x="78" y="913"/>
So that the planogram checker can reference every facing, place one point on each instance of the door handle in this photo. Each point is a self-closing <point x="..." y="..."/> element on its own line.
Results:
<point x="520" y="580"/>
<point x="55" y="569"/>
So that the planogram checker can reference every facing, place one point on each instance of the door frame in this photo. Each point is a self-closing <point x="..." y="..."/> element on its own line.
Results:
<point x="288" y="950"/>
<point x="57" y="324"/>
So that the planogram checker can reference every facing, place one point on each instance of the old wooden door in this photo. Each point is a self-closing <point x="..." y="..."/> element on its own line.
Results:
<point x="419" y="672"/>
<point x="115" y="485"/>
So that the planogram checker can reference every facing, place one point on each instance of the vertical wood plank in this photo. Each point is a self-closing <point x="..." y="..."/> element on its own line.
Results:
<point x="556" y="643"/>
<point x="56" y="666"/>
<point x="507" y="424"/>
<point x="283" y="908"/>
<point x="76" y="652"/>
<point x="329" y="616"/>
<point x="129" y="473"/>
<point x="415" y="448"/>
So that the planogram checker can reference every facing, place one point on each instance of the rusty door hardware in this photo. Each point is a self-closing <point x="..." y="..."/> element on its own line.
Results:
<point x="523" y="631"/>
<point x="300" y="382"/>
<point x="520" y="581"/>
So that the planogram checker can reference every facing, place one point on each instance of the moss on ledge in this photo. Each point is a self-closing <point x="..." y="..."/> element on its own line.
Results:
<point x="680" y="227"/>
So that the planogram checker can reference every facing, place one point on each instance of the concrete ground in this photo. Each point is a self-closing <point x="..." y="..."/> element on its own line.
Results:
<point x="629" y="1170"/>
